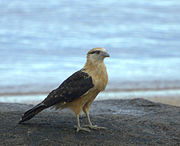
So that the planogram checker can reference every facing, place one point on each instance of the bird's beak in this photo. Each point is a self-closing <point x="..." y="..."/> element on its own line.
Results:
<point x="105" y="54"/>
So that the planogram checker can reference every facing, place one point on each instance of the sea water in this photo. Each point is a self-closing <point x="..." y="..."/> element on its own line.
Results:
<point x="43" y="42"/>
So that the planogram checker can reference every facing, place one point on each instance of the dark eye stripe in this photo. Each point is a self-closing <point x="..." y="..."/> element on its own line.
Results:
<point x="95" y="52"/>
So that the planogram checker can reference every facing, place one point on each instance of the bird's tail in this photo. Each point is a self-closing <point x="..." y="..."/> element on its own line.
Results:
<point x="32" y="112"/>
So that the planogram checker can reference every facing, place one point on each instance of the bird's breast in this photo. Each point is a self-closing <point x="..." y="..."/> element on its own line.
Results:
<point x="100" y="78"/>
<point x="98" y="73"/>
<point x="100" y="83"/>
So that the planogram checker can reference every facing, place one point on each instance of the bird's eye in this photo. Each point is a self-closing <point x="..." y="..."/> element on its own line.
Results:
<point x="97" y="52"/>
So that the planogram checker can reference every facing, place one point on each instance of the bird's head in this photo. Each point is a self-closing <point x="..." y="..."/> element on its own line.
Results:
<point x="97" y="54"/>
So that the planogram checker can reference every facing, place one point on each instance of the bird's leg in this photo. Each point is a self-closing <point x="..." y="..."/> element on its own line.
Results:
<point x="86" y="111"/>
<point x="91" y="126"/>
<point x="79" y="127"/>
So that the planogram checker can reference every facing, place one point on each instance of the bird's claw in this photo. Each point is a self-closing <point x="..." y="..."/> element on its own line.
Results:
<point x="95" y="127"/>
<point x="82" y="129"/>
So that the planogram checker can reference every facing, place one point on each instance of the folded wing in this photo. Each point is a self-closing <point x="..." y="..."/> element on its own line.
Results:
<point x="72" y="88"/>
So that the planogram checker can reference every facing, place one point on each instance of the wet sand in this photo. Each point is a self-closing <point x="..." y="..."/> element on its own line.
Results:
<point x="163" y="91"/>
<point x="166" y="96"/>
<point x="167" y="92"/>
<point x="128" y="122"/>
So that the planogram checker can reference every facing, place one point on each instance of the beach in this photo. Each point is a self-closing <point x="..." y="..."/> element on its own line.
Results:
<point x="43" y="43"/>
<point x="164" y="92"/>
<point x="128" y="122"/>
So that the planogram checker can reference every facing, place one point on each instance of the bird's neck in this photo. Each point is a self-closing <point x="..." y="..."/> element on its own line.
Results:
<point x="94" y="65"/>
<point x="97" y="70"/>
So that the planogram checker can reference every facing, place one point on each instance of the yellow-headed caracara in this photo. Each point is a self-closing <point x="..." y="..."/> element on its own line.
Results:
<point x="79" y="90"/>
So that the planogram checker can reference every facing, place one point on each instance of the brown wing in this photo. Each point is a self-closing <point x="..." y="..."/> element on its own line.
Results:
<point x="73" y="87"/>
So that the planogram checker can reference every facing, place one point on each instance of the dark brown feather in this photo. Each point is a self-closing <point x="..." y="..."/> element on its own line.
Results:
<point x="72" y="88"/>
<point x="32" y="112"/>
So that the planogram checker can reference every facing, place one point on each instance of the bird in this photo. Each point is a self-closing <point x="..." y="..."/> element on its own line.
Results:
<point x="78" y="91"/>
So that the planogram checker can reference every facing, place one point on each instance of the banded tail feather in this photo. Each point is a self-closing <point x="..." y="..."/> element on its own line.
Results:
<point x="32" y="112"/>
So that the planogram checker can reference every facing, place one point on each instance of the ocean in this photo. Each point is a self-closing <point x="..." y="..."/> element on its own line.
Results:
<point x="42" y="42"/>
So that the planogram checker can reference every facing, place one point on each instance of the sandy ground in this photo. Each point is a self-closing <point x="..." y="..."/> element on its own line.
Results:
<point x="128" y="122"/>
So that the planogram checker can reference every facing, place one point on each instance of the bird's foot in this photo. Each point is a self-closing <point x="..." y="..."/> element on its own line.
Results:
<point x="95" y="127"/>
<point x="82" y="129"/>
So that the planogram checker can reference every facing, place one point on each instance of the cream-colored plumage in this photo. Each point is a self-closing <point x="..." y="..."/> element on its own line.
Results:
<point x="96" y="68"/>
<point x="78" y="91"/>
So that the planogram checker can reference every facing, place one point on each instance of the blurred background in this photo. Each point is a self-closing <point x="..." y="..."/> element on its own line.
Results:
<point x="42" y="42"/>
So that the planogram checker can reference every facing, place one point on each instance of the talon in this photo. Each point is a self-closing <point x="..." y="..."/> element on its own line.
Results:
<point x="82" y="129"/>
<point x="95" y="127"/>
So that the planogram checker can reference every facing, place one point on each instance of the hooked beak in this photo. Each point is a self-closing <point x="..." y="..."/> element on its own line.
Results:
<point x="105" y="54"/>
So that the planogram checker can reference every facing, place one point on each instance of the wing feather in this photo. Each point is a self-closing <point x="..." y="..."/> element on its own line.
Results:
<point x="73" y="87"/>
